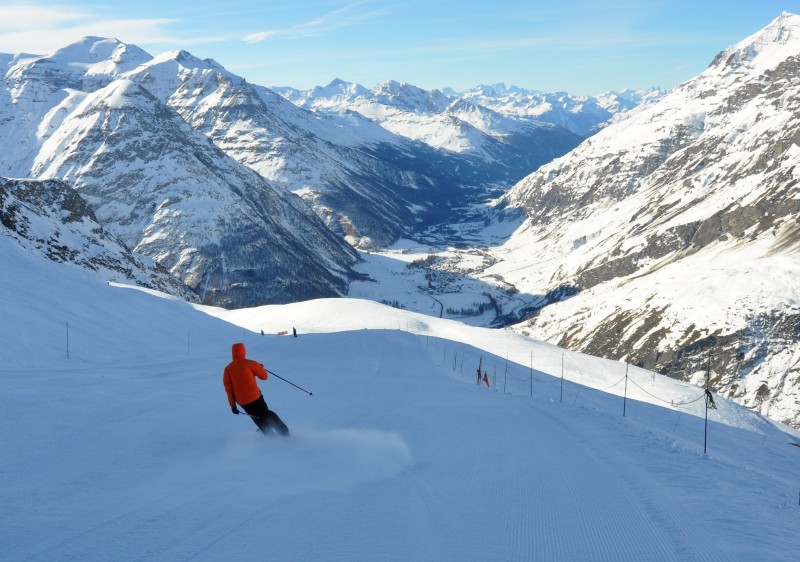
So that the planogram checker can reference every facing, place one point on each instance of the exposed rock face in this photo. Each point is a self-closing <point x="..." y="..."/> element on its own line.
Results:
<point x="50" y="218"/>
<point x="680" y="226"/>
<point x="162" y="187"/>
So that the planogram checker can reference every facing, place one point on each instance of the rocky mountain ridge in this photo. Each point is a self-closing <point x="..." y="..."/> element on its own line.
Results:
<point x="584" y="115"/>
<point x="678" y="230"/>
<point x="390" y="102"/>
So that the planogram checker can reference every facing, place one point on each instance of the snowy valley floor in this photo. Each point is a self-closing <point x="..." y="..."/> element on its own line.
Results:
<point x="127" y="450"/>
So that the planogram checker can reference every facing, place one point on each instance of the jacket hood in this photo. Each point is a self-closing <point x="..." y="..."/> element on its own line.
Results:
<point x="238" y="351"/>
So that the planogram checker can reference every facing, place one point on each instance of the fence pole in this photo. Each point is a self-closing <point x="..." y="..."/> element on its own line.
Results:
<point x="705" y="429"/>
<point x="505" y="376"/>
<point x="531" y="374"/>
<point x="625" y="400"/>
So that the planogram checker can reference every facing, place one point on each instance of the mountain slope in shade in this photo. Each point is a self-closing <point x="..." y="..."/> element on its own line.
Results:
<point x="50" y="218"/>
<point x="367" y="183"/>
<point x="678" y="230"/>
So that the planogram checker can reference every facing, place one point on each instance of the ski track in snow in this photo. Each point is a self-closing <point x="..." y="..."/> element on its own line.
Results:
<point x="461" y="475"/>
<point x="129" y="451"/>
<point x="612" y="506"/>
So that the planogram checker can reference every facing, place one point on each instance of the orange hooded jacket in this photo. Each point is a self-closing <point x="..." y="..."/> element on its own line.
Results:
<point x="240" y="377"/>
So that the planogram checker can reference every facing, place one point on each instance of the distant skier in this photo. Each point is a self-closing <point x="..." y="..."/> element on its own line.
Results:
<point x="240" y="383"/>
<point x="294" y="332"/>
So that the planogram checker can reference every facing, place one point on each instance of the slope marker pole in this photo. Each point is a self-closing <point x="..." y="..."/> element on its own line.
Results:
<point x="708" y="377"/>
<point x="625" y="399"/>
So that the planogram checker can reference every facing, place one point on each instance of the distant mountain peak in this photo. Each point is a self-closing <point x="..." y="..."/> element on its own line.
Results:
<point x="498" y="89"/>
<point x="337" y="87"/>
<point x="411" y="98"/>
<point x="188" y="60"/>
<point x="92" y="50"/>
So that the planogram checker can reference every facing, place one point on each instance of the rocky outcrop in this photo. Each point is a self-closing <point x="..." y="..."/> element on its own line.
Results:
<point x="51" y="219"/>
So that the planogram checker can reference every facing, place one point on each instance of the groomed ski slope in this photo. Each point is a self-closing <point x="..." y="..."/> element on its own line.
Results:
<point x="127" y="450"/>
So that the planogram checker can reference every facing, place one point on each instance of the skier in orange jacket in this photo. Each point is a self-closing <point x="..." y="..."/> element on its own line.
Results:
<point x="240" y="383"/>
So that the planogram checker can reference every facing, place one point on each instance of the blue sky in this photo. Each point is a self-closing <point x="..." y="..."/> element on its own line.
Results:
<point x="578" y="46"/>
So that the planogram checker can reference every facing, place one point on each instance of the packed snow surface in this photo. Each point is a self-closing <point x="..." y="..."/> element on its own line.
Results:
<point x="118" y="442"/>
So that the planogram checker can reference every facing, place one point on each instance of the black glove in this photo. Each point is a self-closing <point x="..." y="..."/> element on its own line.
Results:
<point x="234" y="409"/>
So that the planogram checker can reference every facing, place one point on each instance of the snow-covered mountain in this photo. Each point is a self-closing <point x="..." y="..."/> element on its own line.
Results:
<point x="161" y="186"/>
<point x="118" y="442"/>
<point x="51" y="219"/>
<point x="676" y="230"/>
<point x="366" y="183"/>
<point x="508" y="146"/>
<point x="583" y="115"/>
<point x="369" y="184"/>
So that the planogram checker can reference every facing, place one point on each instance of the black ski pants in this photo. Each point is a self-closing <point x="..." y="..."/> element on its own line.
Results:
<point x="266" y="420"/>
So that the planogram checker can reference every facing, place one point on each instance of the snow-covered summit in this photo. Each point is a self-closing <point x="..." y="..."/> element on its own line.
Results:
<point x="176" y="61"/>
<point x="337" y="87"/>
<point x="764" y="49"/>
<point x="90" y="56"/>
<point x="100" y="55"/>
<point x="581" y="114"/>
<point x="411" y="98"/>
<point x="455" y="125"/>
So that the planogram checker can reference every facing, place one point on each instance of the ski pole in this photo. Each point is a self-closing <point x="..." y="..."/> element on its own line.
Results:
<point x="290" y="382"/>
<point x="245" y="413"/>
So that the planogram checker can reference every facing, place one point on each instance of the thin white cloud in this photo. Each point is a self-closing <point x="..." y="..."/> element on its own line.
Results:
<point x="258" y="37"/>
<point x="590" y="41"/>
<point x="44" y="28"/>
<point x="27" y="16"/>
<point x="349" y="15"/>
